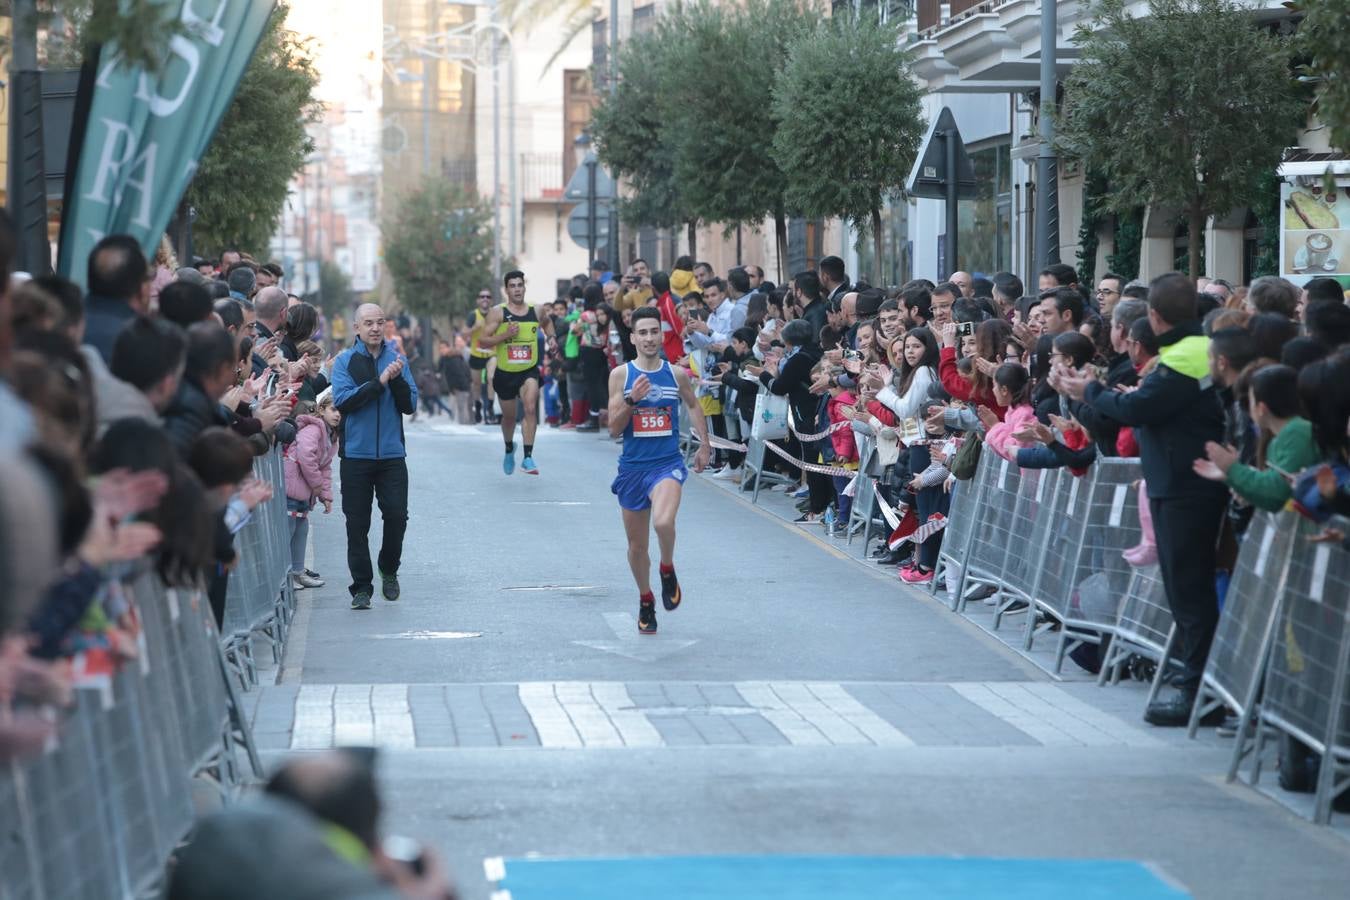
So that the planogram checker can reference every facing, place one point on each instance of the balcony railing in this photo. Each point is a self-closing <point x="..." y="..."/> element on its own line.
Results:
<point x="541" y="176"/>
<point x="930" y="12"/>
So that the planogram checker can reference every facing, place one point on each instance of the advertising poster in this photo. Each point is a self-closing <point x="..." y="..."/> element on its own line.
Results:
<point x="1316" y="229"/>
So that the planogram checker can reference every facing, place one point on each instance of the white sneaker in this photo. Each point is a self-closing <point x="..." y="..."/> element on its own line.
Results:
<point x="727" y="473"/>
<point x="301" y="580"/>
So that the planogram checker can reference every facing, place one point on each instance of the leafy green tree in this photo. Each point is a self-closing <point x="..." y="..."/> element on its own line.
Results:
<point x="438" y="248"/>
<point x="854" y="64"/>
<point x="724" y="156"/>
<point x="1176" y="121"/>
<point x="240" y="186"/>
<point x="1324" y="38"/>
<point x="335" y="288"/>
<point x="632" y="127"/>
<point x="141" y="29"/>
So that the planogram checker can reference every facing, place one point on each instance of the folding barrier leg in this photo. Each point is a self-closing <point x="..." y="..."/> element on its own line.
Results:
<point x="1158" y="676"/>
<point x="238" y="722"/>
<point x="1326" y="775"/>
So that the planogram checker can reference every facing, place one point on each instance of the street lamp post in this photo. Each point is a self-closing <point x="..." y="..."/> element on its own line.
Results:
<point x="591" y="224"/>
<point x="1047" y="187"/>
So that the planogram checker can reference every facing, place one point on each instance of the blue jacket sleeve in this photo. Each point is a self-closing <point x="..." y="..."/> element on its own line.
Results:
<point x="348" y="396"/>
<point x="1040" y="457"/>
<point x="404" y="389"/>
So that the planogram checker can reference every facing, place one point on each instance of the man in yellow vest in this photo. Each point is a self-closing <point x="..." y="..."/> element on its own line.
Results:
<point x="512" y="330"/>
<point x="482" y="360"/>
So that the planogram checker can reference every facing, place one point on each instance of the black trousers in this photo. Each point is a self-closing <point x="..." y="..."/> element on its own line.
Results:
<point x="595" y="366"/>
<point x="386" y="481"/>
<point x="821" y="487"/>
<point x="1187" y="531"/>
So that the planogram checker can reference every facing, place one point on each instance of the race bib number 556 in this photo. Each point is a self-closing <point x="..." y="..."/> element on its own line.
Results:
<point x="651" y="421"/>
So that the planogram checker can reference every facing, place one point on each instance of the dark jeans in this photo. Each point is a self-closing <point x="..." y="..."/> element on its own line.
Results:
<point x="1187" y="532"/>
<point x="926" y="502"/>
<point x="820" y="486"/>
<point x="386" y="480"/>
<point x="595" y="366"/>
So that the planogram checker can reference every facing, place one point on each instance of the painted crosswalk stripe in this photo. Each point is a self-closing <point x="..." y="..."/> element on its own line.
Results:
<point x="635" y="729"/>
<point x="790" y="723"/>
<point x="313" y="728"/>
<point x="877" y="729"/>
<point x="551" y="722"/>
<point x="587" y="717"/>
<point x="393" y="717"/>
<point x="353" y="720"/>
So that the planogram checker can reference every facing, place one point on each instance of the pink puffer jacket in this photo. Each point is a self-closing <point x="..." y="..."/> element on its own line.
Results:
<point x="309" y="461"/>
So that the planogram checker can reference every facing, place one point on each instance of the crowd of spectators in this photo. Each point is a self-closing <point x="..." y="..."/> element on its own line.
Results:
<point x="130" y="416"/>
<point x="131" y="413"/>
<point x="1233" y="397"/>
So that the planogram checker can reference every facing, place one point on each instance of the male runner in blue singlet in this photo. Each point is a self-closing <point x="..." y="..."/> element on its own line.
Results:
<point x="644" y="407"/>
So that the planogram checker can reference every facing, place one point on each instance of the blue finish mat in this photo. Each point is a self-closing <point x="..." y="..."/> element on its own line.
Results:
<point x="836" y="877"/>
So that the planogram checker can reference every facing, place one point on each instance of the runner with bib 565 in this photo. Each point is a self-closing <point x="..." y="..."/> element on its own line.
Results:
<point x="513" y="329"/>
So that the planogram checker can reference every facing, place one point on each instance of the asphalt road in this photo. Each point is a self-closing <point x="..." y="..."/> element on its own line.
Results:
<point x="797" y="703"/>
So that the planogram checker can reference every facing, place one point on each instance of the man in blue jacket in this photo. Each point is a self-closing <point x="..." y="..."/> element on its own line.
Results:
<point x="373" y="389"/>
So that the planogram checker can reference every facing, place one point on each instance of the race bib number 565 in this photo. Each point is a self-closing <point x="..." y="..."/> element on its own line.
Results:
<point x="651" y="421"/>
<point x="519" y="352"/>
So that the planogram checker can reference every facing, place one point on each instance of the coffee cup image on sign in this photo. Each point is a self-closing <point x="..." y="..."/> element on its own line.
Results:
<point x="1317" y="252"/>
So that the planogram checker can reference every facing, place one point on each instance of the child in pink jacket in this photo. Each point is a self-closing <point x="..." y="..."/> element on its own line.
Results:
<point x="309" y="478"/>
<point x="845" y="454"/>
<point x="1012" y="390"/>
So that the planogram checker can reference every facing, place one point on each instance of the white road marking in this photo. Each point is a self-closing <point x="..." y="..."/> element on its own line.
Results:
<point x="393" y="717"/>
<point x="353" y="721"/>
<point x="805" y="704"/>
<point x="313" y="717"/>
<point x="796" y="729"/>
<point x="427" y="636"/>
<point x="547" y="715"/>
<point x="587" y="717"/>
<point x="635" y="728"/>
<point x="877" y="729"/>
<point x="1051" y="716"/>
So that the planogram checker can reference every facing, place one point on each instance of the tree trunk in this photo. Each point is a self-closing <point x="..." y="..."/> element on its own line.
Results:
<point x="876" y="247"/>
<point x="692" y="227"/>
<point x="1196" y="225"/>
<point x="780" y="240"/>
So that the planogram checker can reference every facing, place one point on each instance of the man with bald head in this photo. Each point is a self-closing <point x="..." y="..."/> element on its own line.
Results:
<point x="963" y="281"/>
<point x="269" y="309"/>
<point x="373" y="388"/>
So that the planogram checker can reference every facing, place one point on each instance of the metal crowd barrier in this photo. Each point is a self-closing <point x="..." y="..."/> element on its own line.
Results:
<point x="259" y="600"/>
<point x="1281" y="652"/>
<point x="1288" y="649"/>
<point x="100" y="811"/>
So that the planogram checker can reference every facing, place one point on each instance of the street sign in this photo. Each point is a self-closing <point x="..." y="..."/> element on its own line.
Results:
<point x="929" y="176"/>
<point x="575" y="192"/>
<point x="576" y="225"/>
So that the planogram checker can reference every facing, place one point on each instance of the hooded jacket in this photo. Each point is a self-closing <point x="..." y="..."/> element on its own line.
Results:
<point x="309" y="461"/>
<point x="1174" y="412"/>
<point x="372" y="413"/>
<point x="682" y="282"/>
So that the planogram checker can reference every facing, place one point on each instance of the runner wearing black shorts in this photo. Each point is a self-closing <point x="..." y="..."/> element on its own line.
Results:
<point x="482" y="361"/>
<point x="513" y="330"/>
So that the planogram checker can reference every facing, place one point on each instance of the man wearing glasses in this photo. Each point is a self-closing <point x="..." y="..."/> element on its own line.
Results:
<point x="482" y="360"/>
<point x="1108" y="293"/>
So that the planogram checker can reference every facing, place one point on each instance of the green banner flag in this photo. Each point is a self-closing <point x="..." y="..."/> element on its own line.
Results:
<point x="146" y="132"/>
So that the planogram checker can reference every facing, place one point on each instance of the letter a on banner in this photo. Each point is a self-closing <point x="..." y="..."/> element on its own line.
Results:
<point x="146" y="132"/>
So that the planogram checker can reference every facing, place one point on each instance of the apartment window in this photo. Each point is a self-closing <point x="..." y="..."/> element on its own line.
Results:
<point x="985" y="223"/>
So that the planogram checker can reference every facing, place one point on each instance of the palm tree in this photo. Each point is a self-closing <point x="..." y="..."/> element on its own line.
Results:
<point x="523" y="15"/>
